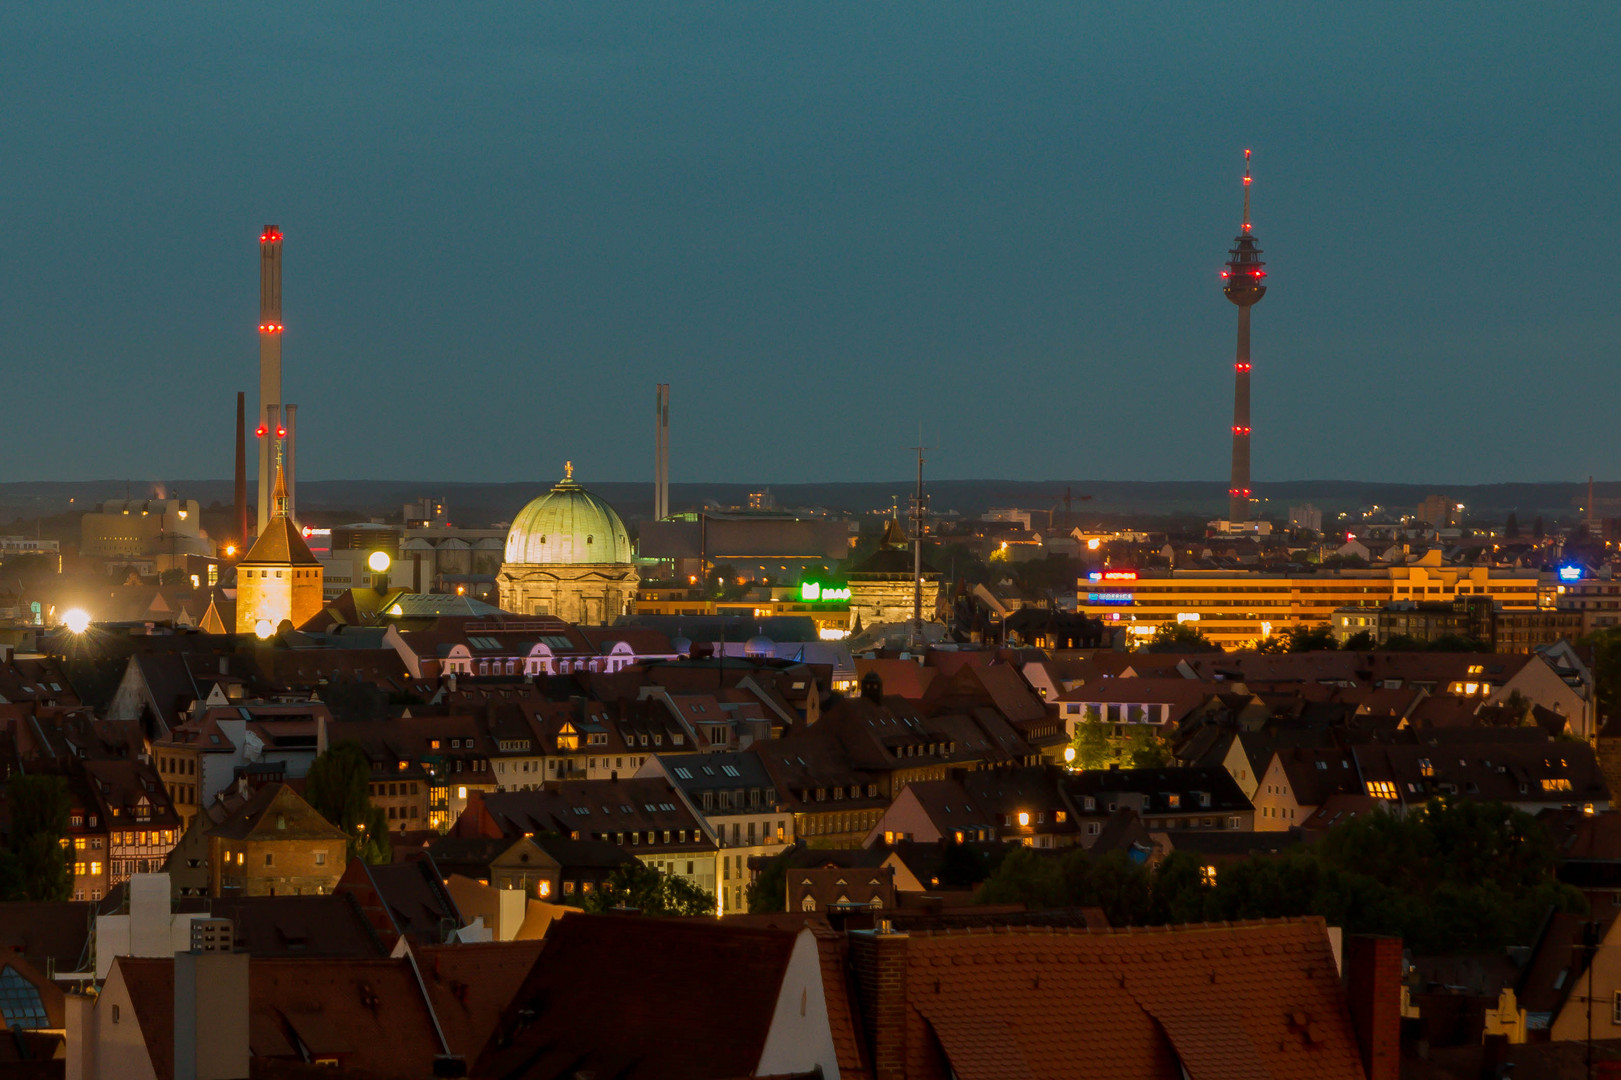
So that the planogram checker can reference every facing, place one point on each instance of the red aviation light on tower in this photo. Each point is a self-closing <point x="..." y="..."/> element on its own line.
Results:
<point x="281" y="432"/>
<point x="270" y="236"/>
<point x="261" y="431"/>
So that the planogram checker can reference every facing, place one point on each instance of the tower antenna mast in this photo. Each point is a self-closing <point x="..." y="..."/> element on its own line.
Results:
<point x="1243" y="284"/>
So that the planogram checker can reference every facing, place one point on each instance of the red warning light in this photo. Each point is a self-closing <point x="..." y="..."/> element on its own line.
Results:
<point x="261" y="431"/>
<point x="281" y="432"/>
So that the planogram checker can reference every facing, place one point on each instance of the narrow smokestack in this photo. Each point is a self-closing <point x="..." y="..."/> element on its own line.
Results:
<point x="269" y="357"/>
<point x="661" y="462"/>
<point x="241" y="471"/>
<point x="288" y="457"/>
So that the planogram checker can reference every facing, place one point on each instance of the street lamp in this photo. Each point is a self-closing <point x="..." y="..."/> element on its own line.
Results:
<point x="263" y="629"/>
<point x="378" y="562"/>
<point x="77" y="620"/>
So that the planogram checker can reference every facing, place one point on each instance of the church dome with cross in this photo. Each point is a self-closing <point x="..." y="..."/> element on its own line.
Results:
<point x="567" y="525"/>
<point x="568" y="555"/>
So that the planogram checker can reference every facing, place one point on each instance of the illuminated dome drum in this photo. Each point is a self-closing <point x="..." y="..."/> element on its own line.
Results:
<point x="568" y="555"/>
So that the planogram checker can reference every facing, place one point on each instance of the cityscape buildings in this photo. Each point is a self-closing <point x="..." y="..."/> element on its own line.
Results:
<point x="929" y="779"/>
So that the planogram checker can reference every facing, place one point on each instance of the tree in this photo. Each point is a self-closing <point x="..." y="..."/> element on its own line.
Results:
<point x="1144" y="747"/>
<point x="650" y="892"/>
<point x="1272" y="645"/>
<point x="1311" y="639"/>
<point x="1511" y="528"/>
<point x="38" y="862"/>
<point x="1538" y="530"/>
<point x="1361" y="641"/>
<point x="1448" y="878"/>
<point x="1091" y="743"/>
<point x="1180" y="637"/>
<point x="175" y="576"/>
<point x="338" y="786"/>
<point x="1606" y="645"/>
<point x="768" y="892"/>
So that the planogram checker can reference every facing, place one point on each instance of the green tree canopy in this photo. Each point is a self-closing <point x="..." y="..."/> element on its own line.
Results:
<point x="1091" y="743"/>
<point x="1452" y="877"/>
<point x="338" y="786"/>
<point x="1180" y="637"/>
<point x="768" y="892"/>
<point x="651" y="893"/>
<point x="1361" y="641"/>
<point x="37" y="864"/>
<point x="1144" y="747"/>
<point x="1311" y="639"/>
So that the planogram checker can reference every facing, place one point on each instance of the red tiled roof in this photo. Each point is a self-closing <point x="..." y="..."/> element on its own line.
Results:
<point x="643" y="999"/>
<point x="472" y="985"/>
<point x="1220" y="1001"/>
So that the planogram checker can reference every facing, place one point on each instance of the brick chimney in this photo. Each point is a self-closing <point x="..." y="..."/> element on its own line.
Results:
<point x="1373" y="992"/>
<point x="878" y="958"/>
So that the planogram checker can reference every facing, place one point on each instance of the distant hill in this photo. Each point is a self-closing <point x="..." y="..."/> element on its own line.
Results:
<point x="478" y="504"/>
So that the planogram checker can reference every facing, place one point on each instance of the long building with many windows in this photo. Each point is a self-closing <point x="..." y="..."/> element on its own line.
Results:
<point x="1235" y="608"/>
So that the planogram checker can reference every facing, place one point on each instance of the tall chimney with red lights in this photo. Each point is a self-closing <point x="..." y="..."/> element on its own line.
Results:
<point x="1243" y="285"/>
<point x="269" y="364"/>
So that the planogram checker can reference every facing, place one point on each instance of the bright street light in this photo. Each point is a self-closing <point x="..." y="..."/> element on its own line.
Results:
<point x="77" y="620"/>
<point x="379" y="562"/>
<point x="263" y="629"/>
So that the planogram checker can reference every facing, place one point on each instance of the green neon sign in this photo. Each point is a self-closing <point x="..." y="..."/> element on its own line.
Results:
<point x="815" y="591"/>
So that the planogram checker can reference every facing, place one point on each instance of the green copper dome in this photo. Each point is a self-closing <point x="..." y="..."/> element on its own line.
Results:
<point x="567" y="525"/>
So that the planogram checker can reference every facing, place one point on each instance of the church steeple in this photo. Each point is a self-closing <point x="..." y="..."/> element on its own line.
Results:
<point x="280" y="497"/>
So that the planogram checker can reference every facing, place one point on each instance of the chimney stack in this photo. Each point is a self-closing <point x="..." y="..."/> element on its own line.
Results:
<point x="1373" y="991"/>
<point x="269" y="358"/>
<point x="878" y="958"/>
<point x="661" y="457"/>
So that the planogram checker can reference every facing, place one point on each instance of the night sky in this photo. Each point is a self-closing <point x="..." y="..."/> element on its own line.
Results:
<point x="822" y="224"/>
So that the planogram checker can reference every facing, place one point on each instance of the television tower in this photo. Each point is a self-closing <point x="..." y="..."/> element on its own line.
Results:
<point x="1243" y="276"/>
<point x="269" y="368"/>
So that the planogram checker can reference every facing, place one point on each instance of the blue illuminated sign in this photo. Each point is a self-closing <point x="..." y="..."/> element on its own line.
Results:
<point x="1108" y="598"/>
<point x="1570" y="573"/>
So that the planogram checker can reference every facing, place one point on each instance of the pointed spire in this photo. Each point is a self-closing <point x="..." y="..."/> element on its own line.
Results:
<point x="1246" y="191"/>
<point x="280" y="496"/>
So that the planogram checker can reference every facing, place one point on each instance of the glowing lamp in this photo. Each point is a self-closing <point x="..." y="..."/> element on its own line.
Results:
<point x="281" y="432"/>
<point x="77" y="620"/>
<point x="1024" y="819"/>
<point x="263" y="629"/>
<point x="378" y="561"/>
<point x="1069" y="755"/>
<point x="261" y="431"/>
<point x="230" y="550"/>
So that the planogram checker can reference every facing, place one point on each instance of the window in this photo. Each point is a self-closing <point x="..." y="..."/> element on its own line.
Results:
<point x="270" y="859"/>
<point x="1382" y="789"/>
<point x="320" y="858"/>
<point x="1615" y="1009"/>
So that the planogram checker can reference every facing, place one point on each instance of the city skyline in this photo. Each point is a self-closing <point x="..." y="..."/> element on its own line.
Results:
<point x="1010" y="225"/>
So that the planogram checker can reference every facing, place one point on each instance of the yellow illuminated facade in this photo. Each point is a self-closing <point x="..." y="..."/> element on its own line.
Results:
<point x="1236" y="608"/>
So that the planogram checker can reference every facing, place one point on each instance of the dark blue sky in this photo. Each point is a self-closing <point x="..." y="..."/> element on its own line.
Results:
<point x="821" y="224"/>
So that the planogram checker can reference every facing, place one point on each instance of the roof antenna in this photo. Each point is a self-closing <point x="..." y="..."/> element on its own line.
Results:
<point x="1246" y="191"/>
